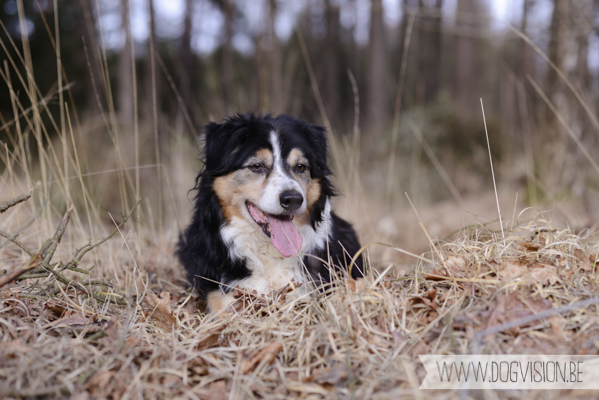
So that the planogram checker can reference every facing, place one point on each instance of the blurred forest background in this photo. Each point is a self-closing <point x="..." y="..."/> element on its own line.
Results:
<point x="397" y="82"/>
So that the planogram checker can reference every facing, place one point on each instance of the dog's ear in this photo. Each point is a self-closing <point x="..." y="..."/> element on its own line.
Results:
<point x="212" y="138"/>
<point x="319" y="146"/>
<point x="224" y="140"/>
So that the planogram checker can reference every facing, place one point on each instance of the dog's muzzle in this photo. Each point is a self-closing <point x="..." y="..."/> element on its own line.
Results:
<point x="291" y="200"/>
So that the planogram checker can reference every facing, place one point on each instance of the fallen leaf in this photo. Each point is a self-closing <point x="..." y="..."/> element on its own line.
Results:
<point x="161" y="310"/>
<point x="112" y="340"/>
<point x="512" y="270"/>
<point x="436" y="275"/>
<point x="511" y="307"/>
<point x="267" y="354"/>
<point x="544" y="275"/>
<point x="333" y="376"/>
<point x="579" y="254"/>
<point x="355" y="285"/>
<point x="15" y="346"/>
<point x="420" y="348"/>
<point x="529" y="246"/>
<point x="216" y="391"/>
<point x="57" y="308"/>
<point x="398" y="337"/>
<point x="428" y="298"/>
<point x="210" y="339"/>
<point x="456" y="264"/>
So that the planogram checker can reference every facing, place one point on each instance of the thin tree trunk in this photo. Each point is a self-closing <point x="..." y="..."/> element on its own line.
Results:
<point x="228" y="76"/>
<point x="95" y="92"/>
<point x="153" y="86"/>
<point x="557" y="38"/>
<point x="377" y="106"/>
<point x="186" y="58"/>
<point x="429" y="49"/>
<point x="525" y="66"/>
<point x="465" y="71"/>
<point x="331" y="62"/>
<point x="125" y="75"/>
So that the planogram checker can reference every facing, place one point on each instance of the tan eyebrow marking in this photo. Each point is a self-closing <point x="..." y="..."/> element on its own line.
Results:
<point x="294" y="157"/>
<point x="264" y="156"/>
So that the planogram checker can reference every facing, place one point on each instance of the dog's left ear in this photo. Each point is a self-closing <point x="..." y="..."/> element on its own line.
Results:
<point x="319" y="146"/>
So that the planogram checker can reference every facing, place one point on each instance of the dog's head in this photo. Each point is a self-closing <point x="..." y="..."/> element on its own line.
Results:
<point x="270" y="172"/>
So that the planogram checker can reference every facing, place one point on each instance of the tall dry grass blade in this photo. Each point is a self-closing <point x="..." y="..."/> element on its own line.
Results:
<point x="32" y="93"/>
<point x="182" y="105"/>
<point x="123" y="178"/>
<point x="492" y="171"/>
<point x="321" y="108"/>
<point x="13" y="99"/>
<point x="135" y="126"/>
<point x="439" y="254"/>
<point x="355" y="148"/>
<point x="562" y="76"/>
<point x="63" y="135"/>
<point x="563" y="122"/>
<point x="159" y="170"/>
<point x="86" y="197"/>
<point x="437" y="164"/>
<point x="398" y="99"/>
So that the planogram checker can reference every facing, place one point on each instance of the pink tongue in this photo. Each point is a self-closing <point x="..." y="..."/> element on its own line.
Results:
<point x="284" y="236"/>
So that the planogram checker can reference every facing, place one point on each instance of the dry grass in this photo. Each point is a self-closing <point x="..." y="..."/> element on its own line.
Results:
<point x="358" y="340"/>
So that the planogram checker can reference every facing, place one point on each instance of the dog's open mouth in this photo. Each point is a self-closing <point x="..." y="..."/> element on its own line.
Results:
<point x="280" y="229"/>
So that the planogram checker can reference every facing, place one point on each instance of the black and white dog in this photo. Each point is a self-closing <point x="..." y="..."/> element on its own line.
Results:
<point x="262" y="216"/>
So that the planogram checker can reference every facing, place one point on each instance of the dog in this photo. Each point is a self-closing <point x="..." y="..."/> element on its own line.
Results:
<point x="262" y="215"/>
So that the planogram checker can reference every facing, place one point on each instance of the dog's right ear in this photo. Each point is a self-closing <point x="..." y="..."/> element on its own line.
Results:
<point x="213" y="137"/>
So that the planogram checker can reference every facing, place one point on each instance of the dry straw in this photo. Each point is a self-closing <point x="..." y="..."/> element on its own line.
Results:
<point x="356" y="339"/>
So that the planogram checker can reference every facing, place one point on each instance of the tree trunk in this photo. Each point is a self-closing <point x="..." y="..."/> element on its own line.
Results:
<point x="186" y="59"/>
<point x="95" y="93"/>
<point x="228" y="76"/>
<point x="465" y="71"/>
<point x="377" y="106"/>
<point x="429" y="50"/>
<point x="331" y="55"/>
<point x="125" y="74"/>
<point x="557" y="38"/>
<point x="152" y="82"/>
<point x="525" y="66"/>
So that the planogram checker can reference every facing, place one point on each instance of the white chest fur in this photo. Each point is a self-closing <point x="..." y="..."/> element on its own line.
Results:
<point x="270" y="269"/>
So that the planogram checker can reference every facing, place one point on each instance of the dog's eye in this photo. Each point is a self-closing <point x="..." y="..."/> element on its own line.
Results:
<point x="301" y="168"/>
<point x="257" y="167"/>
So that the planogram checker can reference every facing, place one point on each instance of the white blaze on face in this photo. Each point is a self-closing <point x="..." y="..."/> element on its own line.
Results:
<point x="278" y="182"/>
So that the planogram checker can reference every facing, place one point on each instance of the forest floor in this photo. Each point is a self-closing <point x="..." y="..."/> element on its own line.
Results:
<point x="121" y="322"/>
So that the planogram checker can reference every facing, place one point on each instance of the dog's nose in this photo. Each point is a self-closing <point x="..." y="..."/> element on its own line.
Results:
<point x="291" y="200"/>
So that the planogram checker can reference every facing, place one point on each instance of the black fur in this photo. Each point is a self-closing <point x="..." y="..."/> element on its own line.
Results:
<point x="228" y="145"/>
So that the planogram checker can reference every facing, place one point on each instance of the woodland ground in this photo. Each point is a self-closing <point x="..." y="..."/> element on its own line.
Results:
<point x="121" y="323"/>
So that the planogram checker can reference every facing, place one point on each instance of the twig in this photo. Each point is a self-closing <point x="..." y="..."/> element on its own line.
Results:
<point x="42" y="258"/>
<point x="19" y="199"/>
<point x="87" y="248"/>
<point x="57" y="236"/>
<point x="31" y="276"/>
<point x="33" y="263"/>
<point x="29" y="221"/>
<point x="532" y="318"/>
<point x="17" y="242"/>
